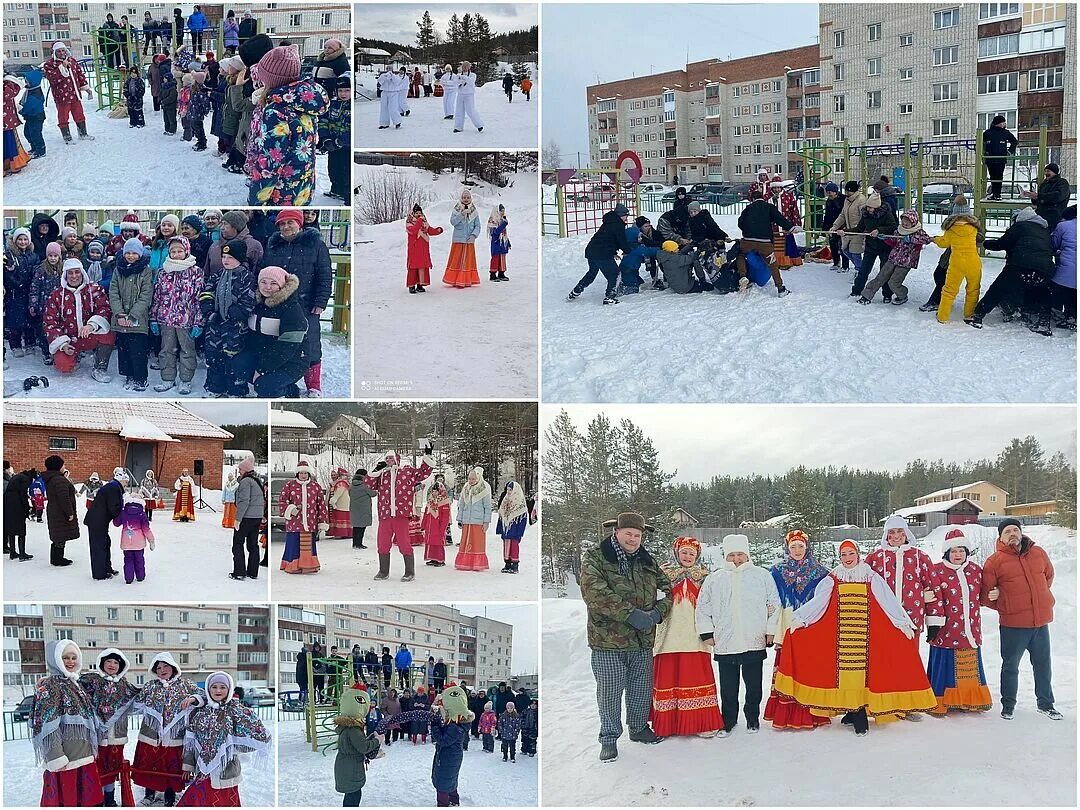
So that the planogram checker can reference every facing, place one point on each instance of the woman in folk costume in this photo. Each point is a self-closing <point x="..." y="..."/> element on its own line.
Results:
<point x="149" y="492"/>
<point x="218" y="731"/>
<point x="64" y="731"/>
<point x="461" y="263"/>
<point x="112" y="696"/>
<point x="435" y="523"/>
<point x="418" y="256"/>
<point x="473" y="516"/>
<point x="228" y="502"/>
<point x="783" y="197"/>
<point x="416" y="529"/>
<point x="684" y="689"/>
<point x="795" y="577"/>
<point x="164" y="702"/>
<point x="184" y="508"/>
<point x="91" y="486"/>
<point x="500" y="243"/>
<point x="954" y="630"/>
<point x="395" y="484"/>
<point x="303" y="505"/>
<point x="340" y="521"/>
<point x="513" y="520"/>
<point x="848" y="650"/>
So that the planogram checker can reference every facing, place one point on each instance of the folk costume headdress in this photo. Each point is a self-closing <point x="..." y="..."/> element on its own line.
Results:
<point x="800" y="574"/>
<point x="678" y="573"/>
<point x="111" y="695"/>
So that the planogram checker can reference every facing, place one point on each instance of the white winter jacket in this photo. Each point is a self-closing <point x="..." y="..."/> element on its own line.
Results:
<point x="739" y="606"/>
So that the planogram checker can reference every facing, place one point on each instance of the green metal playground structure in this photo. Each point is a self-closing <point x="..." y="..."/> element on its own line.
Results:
<point x="319" y="728"/>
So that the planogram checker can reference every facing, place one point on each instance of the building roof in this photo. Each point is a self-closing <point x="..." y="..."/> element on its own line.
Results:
<point x="1030" y="503"/>
<point x="358" y="422"/>
<point x="373" y="51"/>
<point x="947" y="490"/>
<point x="138" y="429"/>
<point x="940" y="506"/>
<point x="107" y="416"/>
<point x="290" y="419"/>
<point x="636" y="87"/>
<point x="766" y="65"/>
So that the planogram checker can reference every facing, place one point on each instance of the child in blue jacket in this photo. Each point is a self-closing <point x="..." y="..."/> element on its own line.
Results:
<point x="33" y="112"/>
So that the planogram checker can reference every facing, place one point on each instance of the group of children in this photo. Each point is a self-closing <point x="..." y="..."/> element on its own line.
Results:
<point x="189" y="741"/>
<point x="461" y="270"/>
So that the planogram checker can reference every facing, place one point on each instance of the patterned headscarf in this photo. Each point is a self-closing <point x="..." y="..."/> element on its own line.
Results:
<point x="218" y="732"/>
<point x="676" y="571"/>
<point x="800" y="574"/>
<point x="111" y="695"/>
<point x="160" y="699"/>
<point x="61" y="710"/>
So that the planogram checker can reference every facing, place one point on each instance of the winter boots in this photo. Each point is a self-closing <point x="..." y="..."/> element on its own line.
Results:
<point x="384" y="567"/>
<point x="66" y="132"/>
<point x="609" y="752"/>
<point x="499" y="275"/>
<point x="19" y="553"/>
<point x="646" y="735"/>
<point x="410" y="569"/>
<point x="313" y="380"/>
<point x="83" y="134"/>
<point x="511" y="567"/>
<point x="56" y="555"/>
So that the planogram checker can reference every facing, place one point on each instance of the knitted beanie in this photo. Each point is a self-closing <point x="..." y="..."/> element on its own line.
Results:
<point x="53" y="249"/>
<point x="133" y="246"/>
<point x="255" y="49"/>
<point x="290" y="214"/>
<point x="280" y="66"/>
<point x="237" y="219"/>
<point x="237" y="248"/>
<point x="172" y="219"/>
<point x="278" y="274"/>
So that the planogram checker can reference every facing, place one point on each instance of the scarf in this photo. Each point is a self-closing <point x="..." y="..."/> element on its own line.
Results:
<point x="217" y="733"/>
<point x="223" y="293"/>
<point x="468" y="211"/>
<point x="160" y="703"/>
<point x="800" y="575"/>
<point x="861" y="572"/>
<point x="172" y="265"/>
<point x="62" y="710"/>
<point x="471" y="493"/>
<point x="513" y="508"/>
<point x="625" y="559"/>
<point x="112" y="696"/>
<point x="437" y="498"/>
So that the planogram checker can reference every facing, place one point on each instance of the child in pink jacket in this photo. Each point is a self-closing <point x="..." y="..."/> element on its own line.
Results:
<point x="136" y="534"/>
<point x="488" y="723"/>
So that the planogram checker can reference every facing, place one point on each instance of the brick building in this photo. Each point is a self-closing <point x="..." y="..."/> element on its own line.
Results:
<point x="97" y="437"/>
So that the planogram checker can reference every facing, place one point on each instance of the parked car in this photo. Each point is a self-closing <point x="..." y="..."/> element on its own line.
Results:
<point x="936" y="193"/>
<point x="707" y="192"/>
<point x="654" y="188"/>
<point x="277" y="522"/>
<point x="21" y="713"/>
<point x="258" y="696"/>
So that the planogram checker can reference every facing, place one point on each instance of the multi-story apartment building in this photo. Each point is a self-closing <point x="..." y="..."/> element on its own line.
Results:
<point x="494" y="649"/>
<point x="253" y="646"/>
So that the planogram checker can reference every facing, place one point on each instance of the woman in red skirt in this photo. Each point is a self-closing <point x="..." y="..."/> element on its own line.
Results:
<point x="112" y="697"/>
<point x="340" y="521"/>
<point x="64" y="731"/>
<point x="164" y="703"/>
<point x="435" y="523"/>
<point x="684" y="689"/>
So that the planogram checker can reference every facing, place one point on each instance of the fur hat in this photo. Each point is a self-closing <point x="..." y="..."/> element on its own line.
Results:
<point x="896" y="522"/>
<point x="120" y="474"/>
<point x="237" y="219"/>
<point x="279" y="66"/>
<point x="130" y="246"/>
<point x="303" y="465"/>
<point x="954" y="537"/>
<point x="59" y="45"/>
<point x="73" y="264"/>
<point x="734" y="543"/>
<point x="628" y="520"/>
<point x="277" y="273"/>
<point x="293" y="214"/>
<point x="237" y="248"/>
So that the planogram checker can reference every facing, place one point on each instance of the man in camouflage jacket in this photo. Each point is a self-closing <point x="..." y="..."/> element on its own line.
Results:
<point x="619" y="583"/>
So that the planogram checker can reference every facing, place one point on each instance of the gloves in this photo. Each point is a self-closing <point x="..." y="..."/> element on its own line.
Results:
<point x="207" y="307"/>
<point x="155" y="328"/>
<point x="196" y="331"/>
<point x="640" y="620"/>
<point x="236" y="313"/>
<point x="380" y="466"/>
<point x="323" y="528"/>
<point x="931" y="631"/>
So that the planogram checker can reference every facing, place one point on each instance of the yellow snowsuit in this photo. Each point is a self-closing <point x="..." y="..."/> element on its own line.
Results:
<point x="964" y="265"/>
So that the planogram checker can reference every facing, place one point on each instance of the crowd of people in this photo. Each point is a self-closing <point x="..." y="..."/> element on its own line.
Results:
<point x="269" y="121"/>
<point x="241" y="291"/>
<point x="51" y="497"/>
<point x="413" y="505"/>
<point x="846" y="639"/>
<point x="461" y="271"/>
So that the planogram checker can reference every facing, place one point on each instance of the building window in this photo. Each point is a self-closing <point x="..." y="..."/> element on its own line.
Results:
<point x="946" y="161"/>
<point x="61" y="611"/>
<point x="949" y="55"/>
<point x="839" y="134"/>
<point x="993" y="499"/>
<point x="838" y="73"/>
<point x="294" y="20"/>
<point x="811" y="78"/>
<point x="605" y="106"/>
<point x="946" y="126"/>
<point x="999" y="46"/>
<point x="68" y="443"/>
<point x="91" y="620"/>
<point x="813" y="100"/>
<point x="669" y="115"/>
<point x="1046" y="79"/>
<point x="948" y="18"/>
<point x="326" y="19"/>
<point x="986" y="117"/>
<point x="947" y="91"/>
<point x="737" y="92"/>
<point x="998" y="83"/>
<point x="838" y="38"/>
<point x="987" y="11"/>
<point x="907" y="109"/>
<point x="873" y="132"/>
<point x="224" y="618"/>
<point x="873" y="100"/>
<point x="873" y="32"/>
<point x="1045" y="40"/>
<point x="906" y="40"/>
<point x="873" y="66"/>
<point x="906" y="74"/>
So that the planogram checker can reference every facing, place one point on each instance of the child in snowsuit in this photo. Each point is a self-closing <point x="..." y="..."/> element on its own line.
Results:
<point x="489" y="721"/>
<point x="33" y="112"/>
<point x="530" y="729"/>
<point x="509" y="728"/>
<point x="168" y="96"/>
<point x="273" y="357"/>
<point x="175" y="315"/>
<point x="135" y="535"/>
<point x="131" y="293"/>
<point x="48" y="276"/>
<point x="164" y="702"/>
<point x="335" y="132"/>
<point x="199" y="107"/>
<point x="134" y="90"/>
<point x="186" y="83"/>
<point x="500" y="243"/>
<point x="418" y="258"/>
<point x="37" y="498"/>
<point x="227" y="301"/>
<point x="20" y="261"/>
<point x="356" y="747"/>
<point x="877" y="219"/>
<point x="964" y="266"/>
<point x="112" y="696"/>
<point x="905" y="246"/>
<point x="98" y="265"/>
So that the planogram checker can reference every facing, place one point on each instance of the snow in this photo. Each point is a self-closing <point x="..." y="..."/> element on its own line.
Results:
<point x="135" y="427"/>
<point x="22" y="778"/>
<point x="124" y="167"/>
<point x="507" y="125"/>
<point x="335" y="379"/>
<point x="473" y="343"/>
<point x="816" y="345"/>
<point x="808" y="768"/>
<point x="346" y="573"/>
<point x="193" y="559"/>
<point x="402" y="777"/>
<point x="170" y="417"/>
<point x="292" y="419"/>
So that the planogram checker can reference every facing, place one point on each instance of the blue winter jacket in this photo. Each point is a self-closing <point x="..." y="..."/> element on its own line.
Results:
<point x="498" y="246"/>
<point x="197" y="22"/>
<point x="478" y="512"/>
<point x="33" y="105"/>
<point x="464" y="227"/>
<point x="1064" y="241"/>
<point x="449" y="741"/>
<point x="403" y="659"/>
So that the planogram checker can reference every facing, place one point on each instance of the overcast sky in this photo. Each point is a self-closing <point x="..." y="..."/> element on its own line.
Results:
<point x="230" y="411"/>
<point x="397" y="22"/>
<point x="525" y="660"/>
<point x="588" y="44"/>
<point x="706" y="440"/>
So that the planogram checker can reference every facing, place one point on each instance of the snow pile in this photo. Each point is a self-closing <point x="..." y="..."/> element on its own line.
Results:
<point x="22" y="778"/>
<point x="816" y="345"/>
<point x="347" y="572"/>
<point x="194" y="559"/>
<point x="125" y="167"/>
<point x="474" y="343"/>
<point x="402" y="777"/>
<point x="683" y="771"/>
<point x="507" y="125"/>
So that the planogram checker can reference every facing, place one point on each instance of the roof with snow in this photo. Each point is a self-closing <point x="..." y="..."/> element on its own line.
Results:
<point x="940" y="506"/>
<point x="107" y="416"/>
<point x="373" y="51"/>
<point x="358" y="422"/>
<point x="947" y="490"/>
<point x="779" y="520"/>
<point x="291" y="419"/>
<point x="138" y="429"/>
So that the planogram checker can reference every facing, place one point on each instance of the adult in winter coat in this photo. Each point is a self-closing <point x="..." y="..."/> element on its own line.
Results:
<point x="1052" y="197"/>
<point x="877" y="222"/>
<point x="473" y="516"/>
<point x="500" y="243"/>
<point x="230" y="31"/>
<point x="112" y="695"/>
<point x="107" y="505"/>
<point x="234" y="225"/>
<point x="197" y="24"/>
<point x="609" y="239"/>
<point x="998" y="143"/>
<point x="150" y="34"/>
<point x="77" y="319"/>
<point x="285" y="126"/>
<point x="846" y="224"/>
<point x="158" y="764"/>
<point x="61" y="517"/>
<point x="465" y="105"/>
<point x="684" y="698"/>
<point x="737" y="613"/>
<point x="360" y="496"/>
<point x="193" y="228"/>
<point x="834" y="204"/>
<point x="303" y="505"/>
<point x="1063" y="285"/>
<point x="1029" y="267"/>
<point x="248" y="28"/>
<point x="508" y="87"/>
<point x="302" y="252"/>
<point x="961" y="239"/>
<point x="67" y="83"/>
<point x="178" y="26"/>
<point x="250" y="513"/>
<point x="395" y="484"/>
<point x="355" y="747"/>
<point x="619" y="584"/>
<point x="331" y="62"/>
<point x="16" y="512"/>
<point x="418" y="259"/>
<point x="438" y="675"/>
<point x="674" y="225"/>
<point x="20" y="261"/>
<point x="403" y="659"/>
<point x="1016" y="583"/>
<point x="302" y="673"/>
<point x="954" y="630"/>
<point x="227" y="300"/>
<point x="131" y="292"/>
<point x="703" y="227"/>
<point x="758" y="223"/>
<point x="461" y="263"/>
<point x="274" y="357"/>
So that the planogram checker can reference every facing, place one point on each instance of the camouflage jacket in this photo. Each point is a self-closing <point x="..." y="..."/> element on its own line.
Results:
<point x="610" y="597"/>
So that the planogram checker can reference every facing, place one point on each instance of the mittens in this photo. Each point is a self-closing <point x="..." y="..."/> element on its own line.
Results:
<point x="291" y="511"/>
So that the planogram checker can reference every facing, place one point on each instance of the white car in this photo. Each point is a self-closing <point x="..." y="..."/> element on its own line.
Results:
<point x="654" y="188"/>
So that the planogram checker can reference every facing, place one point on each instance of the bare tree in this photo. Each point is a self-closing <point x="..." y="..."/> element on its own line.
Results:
<point x="551" y="155"/>
<point x="388" y="197"/>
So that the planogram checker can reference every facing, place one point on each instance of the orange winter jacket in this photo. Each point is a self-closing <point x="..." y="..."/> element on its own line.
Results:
<point x="1023" y="577"/>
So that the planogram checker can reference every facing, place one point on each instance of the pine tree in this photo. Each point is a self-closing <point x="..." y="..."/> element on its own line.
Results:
<point x="425" y="37"/>
<point x="521" y="71"/>
<point x="483" y="61"/>
<point x="453" y="44"/>
<point x="808" y="505"/>
<point x="566" y="519"/>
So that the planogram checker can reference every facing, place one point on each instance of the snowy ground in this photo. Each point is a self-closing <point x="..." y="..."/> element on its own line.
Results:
<point x="816" y="345"/>
<point x="939" y="761"/>
<point x="507" y="125"/>
<point x="131" y="167"/>
<point x="472" y="343"/>
<point x="402" y="778"/>
<point x="193" y="559"/>
<point x="336" y="378"/>
<point x="346" y="573"/>
<point x="22" y="778"/>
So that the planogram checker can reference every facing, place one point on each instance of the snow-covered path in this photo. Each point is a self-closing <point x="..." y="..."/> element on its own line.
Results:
<point x="402" y="778"/>
<point x="507" y="125"/>
<point x="964" y="760"/>
<point x="192" y="560"/>
<point x="131" y="167"/>
<point x="346" y="573"/>
<point x="473" y="343"/>
<point x="816" y="345"/>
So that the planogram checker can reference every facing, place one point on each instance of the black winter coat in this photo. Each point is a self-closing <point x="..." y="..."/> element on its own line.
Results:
<point x="756" y="221"/>
<point x="833" y="208"/>
<point x="1052" y="200"/>
<point x="501" y="699"/>
<point x="652" y="239"/>
<point x="200" y="247"/>
<point x="247" y="29"/>
<point x="1028" y="250"/>
<point x="439" y="672"/>
<point x="278" y="330"/>
<point x="703" y="226"/>
<point x="41" y="242"/>
<point x="107" y="504"/>
<point x="880" y="219"/>
<point x="522" y="701"/>
<point x="60" y="514"/>
<point x="999" y="142"/>
<point x="301" y="669"/>
<point x="307" y="258"/>
<point x="674" y="224"/>
<point x="608" y="239"/>
<point x="17" y="504"/>
<point x="225" y="335"/>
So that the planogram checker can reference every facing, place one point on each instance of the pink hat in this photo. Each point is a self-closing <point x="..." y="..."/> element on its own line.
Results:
<point x="183" y="240"/>
<point x="52" y="249"/>
<point x="278" y="274"/>
<point x="279" y="66"/>
<point x="293" y="214"/>
<point x="246" y="465"/>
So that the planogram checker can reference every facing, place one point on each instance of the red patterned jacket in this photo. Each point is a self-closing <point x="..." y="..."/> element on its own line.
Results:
<point x="396" y="486"/>
<point x="66" y="79"/>
<point x="310" y="502"/>
<point x="11" y="115"/>
<point x="917" y="577"/>
<point x="70" y="308"/>
<point x="957" y="606"/>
